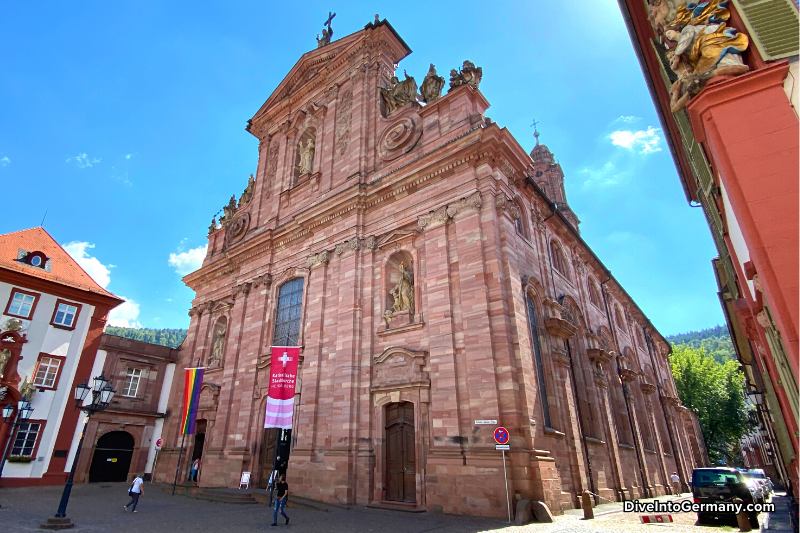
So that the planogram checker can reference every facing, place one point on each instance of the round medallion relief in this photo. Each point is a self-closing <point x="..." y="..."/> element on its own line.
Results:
<point x="238" y="228"/>
<point x="400" y="137"/>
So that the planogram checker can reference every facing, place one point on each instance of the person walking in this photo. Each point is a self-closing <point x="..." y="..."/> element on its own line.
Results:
<point x="195" y="469"/>
<point x="676" y="484"/>
<point x="136" y="489"/>
<point x="280" y="501"/>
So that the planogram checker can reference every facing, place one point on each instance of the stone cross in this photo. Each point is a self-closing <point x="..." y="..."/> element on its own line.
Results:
<point x="330" y="18"/>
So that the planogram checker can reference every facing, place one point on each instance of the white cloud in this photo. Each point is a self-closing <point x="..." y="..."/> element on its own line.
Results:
<point x="189" y="261"/>
<point x="607" y="175"/>
<point x="122" y="177"/>
<point x="643" y="141"/>
<point x="128" y="156"/>
<point x="4" y="161"/>
<point x="626" y="119"/>
<point x="125" y="315"/>
<point x="83" y="160"/>
<point x="97" y="270"/>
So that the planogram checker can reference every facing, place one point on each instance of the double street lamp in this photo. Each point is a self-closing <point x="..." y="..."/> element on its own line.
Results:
<point x="102" y="392"/>
<point x="23" y="413"/>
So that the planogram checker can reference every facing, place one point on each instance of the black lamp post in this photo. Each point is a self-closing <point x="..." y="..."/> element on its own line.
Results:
<point x="101" y="398"/>
<point x="23" y="413"/>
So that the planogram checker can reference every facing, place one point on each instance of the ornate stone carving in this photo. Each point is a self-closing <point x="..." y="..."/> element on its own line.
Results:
<point x="507" y="169"/>
<point x="237" y="228"/>
<point x="399" y="367"/>
<point x="5" y="355"/>
<point x="505" y="205"/>
<point x="229" y="211"/>
<point x="272" y="166"/>
<point x="400" y="137"/>
<point x="468" y="75"/>
<point x="403" y="292"/>
<point x="306" y="157"/>
<point x="213" y="227"/>
<point x="431" y="88"/>
<point x="344" y="113"/>
<point x="218" y="348"/>
<point x="263" y="279"/>
<point x="627" y="375"/>
<point x="355" y="244"/>
<point x="13" y="324"/>
<point x="399" y="93"/>
<point x="763" y="319"/>
<point x="247" y="194"/>
<point x="321" y="258"/>
<point x="445" y="213"/>
<point x="241" y="290"/>
<point x="27" y="389"/>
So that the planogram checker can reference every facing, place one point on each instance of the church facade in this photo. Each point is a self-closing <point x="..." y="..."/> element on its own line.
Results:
<point x="434" y="277"/>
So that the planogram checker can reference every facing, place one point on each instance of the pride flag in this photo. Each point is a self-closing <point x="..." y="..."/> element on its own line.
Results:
<point x="191" y="399"/>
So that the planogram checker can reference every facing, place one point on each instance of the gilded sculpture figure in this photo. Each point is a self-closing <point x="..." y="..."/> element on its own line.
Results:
<point x="399" y="93"/>
<point x="403" y="292"/>
<point x="306" y="157"/>
<point x="431" y="88"/>
<point x="468" y="75"/>
<point x="219" y="345"/>
<point x="5" y="355"/>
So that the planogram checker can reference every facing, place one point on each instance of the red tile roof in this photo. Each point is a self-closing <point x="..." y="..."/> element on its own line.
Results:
<point x="64" y="269"/>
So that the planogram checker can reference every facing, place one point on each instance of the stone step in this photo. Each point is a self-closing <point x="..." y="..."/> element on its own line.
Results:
<point x="225" y="497"/>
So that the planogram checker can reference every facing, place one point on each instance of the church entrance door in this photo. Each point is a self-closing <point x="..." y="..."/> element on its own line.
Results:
<point x="401" y="465"/>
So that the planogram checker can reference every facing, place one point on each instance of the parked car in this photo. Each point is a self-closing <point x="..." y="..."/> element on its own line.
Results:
<point x="759" y="475"/>
<point x="756" y="487"/>
<point x="722" y="485"/>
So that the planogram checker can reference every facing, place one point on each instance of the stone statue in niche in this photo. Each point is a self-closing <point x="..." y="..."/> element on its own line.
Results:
<point x="431" y="88"/>
<point x="703" y="47"/>
<point x="399" y="93"/>
<point x="247" y="194"/>
<point x="468" y="75"/>
<point x="403" y="292"/>
<point x="229" y="211"/>
<point x="306" y="157"/>
<point x="217" y="350"/>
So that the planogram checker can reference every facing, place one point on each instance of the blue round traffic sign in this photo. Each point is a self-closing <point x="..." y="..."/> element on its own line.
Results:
<point x="501" y="435"/>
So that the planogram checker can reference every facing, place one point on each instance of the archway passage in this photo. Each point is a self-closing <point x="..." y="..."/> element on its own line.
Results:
<point x="401" y="465"/>
<point x="112" y="457"/>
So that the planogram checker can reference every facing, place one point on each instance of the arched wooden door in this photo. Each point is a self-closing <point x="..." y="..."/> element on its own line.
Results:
<point x="401" y="465"/>
<point x="112" y="457"/>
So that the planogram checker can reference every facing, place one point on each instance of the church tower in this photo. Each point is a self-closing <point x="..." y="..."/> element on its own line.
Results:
<point x="550" y="178"/>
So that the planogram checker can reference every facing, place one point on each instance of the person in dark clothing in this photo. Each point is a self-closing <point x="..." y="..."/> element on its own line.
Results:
<point x="280" y="501"/>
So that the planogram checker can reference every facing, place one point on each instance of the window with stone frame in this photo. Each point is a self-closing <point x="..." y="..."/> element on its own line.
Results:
<point x="537" y="355"/>
<point x="47" y="372"/>
<point x="25" y="439"/>
<point x="287" y="315"/>
<point x="521" y="222"/>
<point x="620" y="320"/>
<point x="594" y="294"/>
<point x="133" y="377"/>
<point x="559" y="259"/>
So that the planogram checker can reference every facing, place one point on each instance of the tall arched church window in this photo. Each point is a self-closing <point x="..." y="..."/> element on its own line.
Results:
<point x="594" y="293"/>
<point x="537" y="354"/>
<point x="287" y="317"/>
<point x="558" y="258"/>
<point x="620" y="320"/>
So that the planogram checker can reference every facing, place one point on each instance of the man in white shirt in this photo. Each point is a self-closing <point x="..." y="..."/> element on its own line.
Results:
<point x="676" y="483"/>
<point x="136" y="489"/>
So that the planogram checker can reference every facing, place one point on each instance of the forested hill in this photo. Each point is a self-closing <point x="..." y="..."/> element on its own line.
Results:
<point x="165" y="337"/>
<point x="716" y="341"/>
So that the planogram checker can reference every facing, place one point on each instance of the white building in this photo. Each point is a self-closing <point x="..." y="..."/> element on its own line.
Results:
<point x="53" y="315"/>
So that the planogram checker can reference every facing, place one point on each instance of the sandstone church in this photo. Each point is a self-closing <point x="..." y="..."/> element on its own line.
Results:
<point x="434" y="277"/>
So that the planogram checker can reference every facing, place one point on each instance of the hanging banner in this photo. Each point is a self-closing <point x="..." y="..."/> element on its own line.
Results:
<point x="191" y="399"/>
<point x="282" y="381"/>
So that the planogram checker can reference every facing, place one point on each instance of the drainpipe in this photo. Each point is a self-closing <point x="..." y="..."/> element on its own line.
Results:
<point x="625" y="396"/>
<point x="675" y="451"/>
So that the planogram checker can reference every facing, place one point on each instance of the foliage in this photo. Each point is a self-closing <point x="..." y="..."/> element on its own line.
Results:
<point x="716" y="341"/>
<point x="165" y="337"/>
<point x="716" y="393"/>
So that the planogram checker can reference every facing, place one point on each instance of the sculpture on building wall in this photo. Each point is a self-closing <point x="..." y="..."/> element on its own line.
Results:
<point x="229" y="210"/>
<point x="703" y="47"/>
<point x="247" y="194"/>
<point x="5" y="355"/>
<point x="217" y="350"/>
<point x="468" y="75"/>
<point x="213" y="227"/>
<point x="431" y="88"/>
<point x="403" y="292"/>
<point x="306" y="157"/>
<point x="27" y="389"/>
<point x="327" y="35"/>
<point x="399" y="93"/>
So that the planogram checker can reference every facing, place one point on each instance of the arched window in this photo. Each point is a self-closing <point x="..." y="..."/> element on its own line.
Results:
<point x="287" y="317"/>
<point x="537" y="355"/>
<point x="619" y="319"/>
<point x="594" y="293"/>
<point x="521" y="222"/>
<point x="559" y="259"/>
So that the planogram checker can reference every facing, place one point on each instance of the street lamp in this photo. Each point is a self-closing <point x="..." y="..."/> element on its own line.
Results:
<point x="24" y="411"/>
<point x="102" y="392"/>
<point x="756" y="397"/>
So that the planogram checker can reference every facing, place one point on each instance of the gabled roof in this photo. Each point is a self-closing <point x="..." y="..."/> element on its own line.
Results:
<point x="311" y="64"/>
<point x="63" y="270"/>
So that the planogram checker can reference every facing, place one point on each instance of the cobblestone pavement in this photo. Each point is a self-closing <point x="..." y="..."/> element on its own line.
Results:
<point x="98" y="507"/>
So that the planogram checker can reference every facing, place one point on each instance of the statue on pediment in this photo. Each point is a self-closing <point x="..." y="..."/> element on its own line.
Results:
<point x="213" y="227"/>
<point x="247" y="194"/>
<point x="468" y="75"/>
<point x="327" y="34"/>
<point x="229" y="211"/>
<point x="399" y="93"/>
<point x="431" y="88"/>
<point x="307" y="157"/>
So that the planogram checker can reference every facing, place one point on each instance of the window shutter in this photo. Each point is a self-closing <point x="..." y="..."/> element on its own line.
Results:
<point x="773" y="26"/>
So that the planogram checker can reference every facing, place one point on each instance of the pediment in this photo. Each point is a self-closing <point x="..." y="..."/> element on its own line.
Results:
<point x="222" y="306"/>
<point x="397" y="236"/>
<point x="322" y="62"/>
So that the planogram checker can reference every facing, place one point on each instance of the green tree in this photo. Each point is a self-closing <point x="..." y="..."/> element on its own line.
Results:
<point x="165" y="337"/>
<point x="716" y="393"/>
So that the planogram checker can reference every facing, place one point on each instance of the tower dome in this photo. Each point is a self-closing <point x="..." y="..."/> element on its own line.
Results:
<point x="540" y="152"/>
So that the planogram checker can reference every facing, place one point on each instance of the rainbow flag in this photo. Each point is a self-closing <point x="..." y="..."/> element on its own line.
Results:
<point x="191" y="399"/>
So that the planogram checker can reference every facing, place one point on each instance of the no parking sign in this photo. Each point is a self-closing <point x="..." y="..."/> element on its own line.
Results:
<point x="501" y="435"/>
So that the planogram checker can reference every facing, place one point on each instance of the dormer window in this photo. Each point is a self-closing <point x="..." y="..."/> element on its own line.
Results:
<point x="34" y="259"/>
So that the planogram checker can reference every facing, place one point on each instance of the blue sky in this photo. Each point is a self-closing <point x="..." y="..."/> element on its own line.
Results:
<point x="125" y="122"/>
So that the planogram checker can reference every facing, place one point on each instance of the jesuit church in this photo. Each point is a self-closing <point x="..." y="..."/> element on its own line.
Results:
<point x="434" y="276"/>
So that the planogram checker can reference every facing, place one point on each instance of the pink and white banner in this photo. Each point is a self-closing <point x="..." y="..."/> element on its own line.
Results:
<point x="282" y="381"/>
